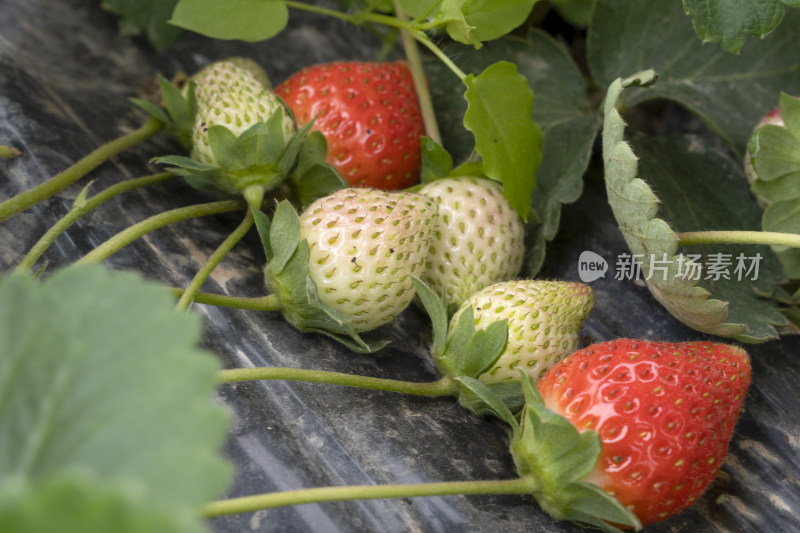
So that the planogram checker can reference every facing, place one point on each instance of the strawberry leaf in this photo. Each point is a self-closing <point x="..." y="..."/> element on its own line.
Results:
<point x="148" y="17"/>
<point x="629" y="37"/>
<point x="729" y="22"/>
<point x="655" y="243"/>
<point x="499" y="114"/>
<point x="491" y="19"/>
<point x="73" y="502"/>
<point x="245" y="20"/>
<point x="784" y="217"/>
<point x="99" y="374"/>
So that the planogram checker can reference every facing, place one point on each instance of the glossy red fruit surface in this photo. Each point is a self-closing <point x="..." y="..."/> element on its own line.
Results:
<point x="665" y="413"/>
<point x="370" y="116"/>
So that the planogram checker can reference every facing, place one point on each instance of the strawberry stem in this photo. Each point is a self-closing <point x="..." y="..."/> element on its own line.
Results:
<point x="124" y="238"/>
<point x="59" y="182"/>
<point x="420" y="82"/>
<point x="219" y="254"/>
<point x="8" y="152"/>
<point x="363" y="492"/>
<point x="269" y="302"/>
<point x="739" y="237"/>
<point x="414" y="30"/>
<point x="443" y="387"/>
<point x="80" y="210"/>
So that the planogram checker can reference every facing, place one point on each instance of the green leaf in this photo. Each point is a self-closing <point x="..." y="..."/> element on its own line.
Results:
<point x="784" y="217"/>
<point x="99" y="373"/>
<point x="576" y="12"/>
<point x="148" y="17"/>
<point x="416" y="8"/>
<point x="450" y="13"/>
<point x="729" y="22"/>
<point x="689" y="206"/>
<point x="436" y="161"/>
<point x="494" y="18"/>
<point x="569" y="124"/>
<point x="499" y="114"/>
<point x="434" y="305"/>
<point x="78" y="503"/>
<point x="245" y="20"/>
<point x="284" y="234"/>
<point x="729" y="93"/>
<point x="317" y="182"/>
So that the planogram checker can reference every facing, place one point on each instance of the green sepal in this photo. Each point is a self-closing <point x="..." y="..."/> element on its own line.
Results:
<point x="436" y="161"/>
<point x="178" y="112"/>
<point x="199" y="175"/>
<point x="790" y="114"/>
<point x="550" y="449"/>
<point x="777" y="154"/>
<point x="312" y="178"/>
<point x="434" y="305"/>
<point x="287" y="276"/>
<point x="481" y="399"/>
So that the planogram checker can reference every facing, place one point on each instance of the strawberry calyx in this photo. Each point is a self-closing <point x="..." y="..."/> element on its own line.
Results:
<point x="287" y="276"/>
<point x="178" y="111"/>
<point x="465" y="353"/>
<point x="555" y="456"/>
<point x="260" y="156"/>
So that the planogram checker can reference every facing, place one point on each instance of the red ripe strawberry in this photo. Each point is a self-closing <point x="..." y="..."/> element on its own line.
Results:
<point x="664" y="412"/>
<point x="370" y="116"/>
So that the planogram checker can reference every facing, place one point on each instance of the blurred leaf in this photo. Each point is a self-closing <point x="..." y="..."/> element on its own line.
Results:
<point x="729" y="93"/>
<point x="245" y="20"/>
<point x="146" y="16"/>
<point x="729" y="22"/>
<point x="71" y="503"/>
<point x="99" y="373"/>
<point x="576" y="12"/>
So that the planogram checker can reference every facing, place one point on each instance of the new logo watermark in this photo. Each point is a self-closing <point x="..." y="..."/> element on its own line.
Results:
<point x="591" y="267"/>
<point x="635" y="267"/>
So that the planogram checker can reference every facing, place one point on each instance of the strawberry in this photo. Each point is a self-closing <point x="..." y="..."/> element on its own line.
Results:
<point x="232" y="96"/>
<point x="544" y="323"/>
<point x="663" y="413"/>
<point x="364" y="246"/>
<point x="370" y="116"/>
<point x="478" y="239"/>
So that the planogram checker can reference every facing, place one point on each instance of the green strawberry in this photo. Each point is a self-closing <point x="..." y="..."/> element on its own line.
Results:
<point x="231" y="96"/>
<point x="365" y="244"/>
<point x="477" y="241"/>
<point x="544" y="321"/>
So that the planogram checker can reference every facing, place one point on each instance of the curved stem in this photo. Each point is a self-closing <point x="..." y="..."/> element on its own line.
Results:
<point x="80" y="210"/>
<point x="423" y="39"/>
<point x="124" y="238"/>
<point x="269" y="302"/>
<point x="443" y="387"/>
<point x="363" y="492"/>
<point x="420" y="82"/>
<point x="739" y="237"/>
<point x="188" y="295"/>
<point x="386" y="20"/>
<point x="61" y="181"/>
<point x="8" y="152"/>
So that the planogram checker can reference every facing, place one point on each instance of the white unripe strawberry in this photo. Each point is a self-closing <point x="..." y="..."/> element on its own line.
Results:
<point x="544" y="321"/>
<point x="477" y="241"/>
<point x="232" y="96"/>
<point x="365" y="244"/>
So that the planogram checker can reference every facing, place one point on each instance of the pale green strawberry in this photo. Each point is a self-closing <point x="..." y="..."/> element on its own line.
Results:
<point x="544" y="320"/>
<point x="478" y="239"/>
<point x="232" y="96"/>
<point x="365" y="244"/>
